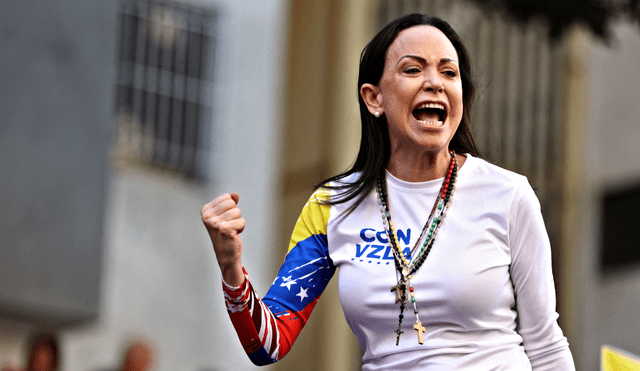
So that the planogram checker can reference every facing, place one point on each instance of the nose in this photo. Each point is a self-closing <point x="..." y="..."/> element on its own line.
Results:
<point x="433" y="82"/>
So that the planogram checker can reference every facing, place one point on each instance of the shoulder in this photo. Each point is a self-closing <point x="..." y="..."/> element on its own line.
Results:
<point x="511" y="188"/>
<point x="345" y="181"/>
<point x="481" y="170"/>
<point x="336" y="189"/>
<point x="318" y="197"/>
<point x="491" y="182"/>
<point x="317" y="207"/>
<point x="313" y="218"/>
<point x="481" y="174"/>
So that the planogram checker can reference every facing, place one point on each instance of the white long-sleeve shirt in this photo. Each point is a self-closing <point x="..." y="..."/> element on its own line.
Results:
<point x="485" y="293"/>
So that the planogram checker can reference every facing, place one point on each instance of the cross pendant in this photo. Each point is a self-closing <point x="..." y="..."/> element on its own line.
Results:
<point x="418" y="327"/>
<point x="400" y="290"/>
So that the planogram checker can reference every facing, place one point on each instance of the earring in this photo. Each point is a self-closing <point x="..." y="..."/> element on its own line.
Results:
<point x="377" y="114"/>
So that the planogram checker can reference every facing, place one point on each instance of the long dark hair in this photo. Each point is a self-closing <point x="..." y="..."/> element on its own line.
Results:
<point x="375" y="148"/>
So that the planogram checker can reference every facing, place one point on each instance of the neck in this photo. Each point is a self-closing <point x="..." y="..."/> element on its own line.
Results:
<point x="420" y="168"/>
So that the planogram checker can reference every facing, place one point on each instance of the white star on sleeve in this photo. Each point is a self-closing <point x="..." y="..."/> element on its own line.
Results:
<point x="288" y="284"/>
<point x="302" y="294"/>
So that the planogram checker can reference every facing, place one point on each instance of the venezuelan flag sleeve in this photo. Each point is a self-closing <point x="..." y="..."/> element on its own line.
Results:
<point x="267" y="328"/>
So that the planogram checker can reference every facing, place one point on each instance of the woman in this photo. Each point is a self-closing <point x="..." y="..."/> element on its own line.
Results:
<point x="428" y="237"/>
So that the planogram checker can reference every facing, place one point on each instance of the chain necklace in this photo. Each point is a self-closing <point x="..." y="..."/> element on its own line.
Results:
<point x="408" y="264"/>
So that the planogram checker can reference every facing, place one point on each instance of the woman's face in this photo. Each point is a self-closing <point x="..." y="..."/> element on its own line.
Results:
<point x="420" y="91"/>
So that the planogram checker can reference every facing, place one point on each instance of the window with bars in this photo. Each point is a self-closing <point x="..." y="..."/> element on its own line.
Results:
<point x="163" y="60"/>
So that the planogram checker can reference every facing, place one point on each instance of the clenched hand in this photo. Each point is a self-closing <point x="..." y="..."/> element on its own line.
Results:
<point x="224" y="222"/>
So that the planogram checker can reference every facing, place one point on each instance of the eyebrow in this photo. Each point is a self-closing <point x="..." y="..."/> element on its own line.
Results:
<point x="424" y="61"/>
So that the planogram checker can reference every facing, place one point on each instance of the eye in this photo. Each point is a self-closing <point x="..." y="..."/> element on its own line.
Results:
<point x="451" y="73"/>
<point x="412" y="70"/>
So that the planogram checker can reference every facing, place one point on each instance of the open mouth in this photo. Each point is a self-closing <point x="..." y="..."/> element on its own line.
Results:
<point x="430" y="113"/>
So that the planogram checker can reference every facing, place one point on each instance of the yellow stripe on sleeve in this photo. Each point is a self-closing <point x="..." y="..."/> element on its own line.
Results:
<point x="313" y="218"/>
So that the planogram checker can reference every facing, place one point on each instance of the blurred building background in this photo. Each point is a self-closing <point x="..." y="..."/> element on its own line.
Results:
<point x="120" y="119"/>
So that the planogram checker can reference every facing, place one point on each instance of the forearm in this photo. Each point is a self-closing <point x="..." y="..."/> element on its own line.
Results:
<point x="266" y="337"/>
<point x="250" y="318"/>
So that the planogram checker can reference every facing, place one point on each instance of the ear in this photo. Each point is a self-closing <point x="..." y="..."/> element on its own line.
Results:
<point x="372" y="98"/>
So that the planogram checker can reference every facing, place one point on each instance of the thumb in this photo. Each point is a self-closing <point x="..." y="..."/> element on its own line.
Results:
<point x="235" y="197"/>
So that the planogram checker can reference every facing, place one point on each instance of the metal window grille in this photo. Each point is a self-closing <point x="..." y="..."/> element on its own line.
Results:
<point x="517" y="69"/>
<point x="162" y="111"/>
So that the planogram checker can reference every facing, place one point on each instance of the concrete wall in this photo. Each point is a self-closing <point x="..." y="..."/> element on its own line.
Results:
<point x="601" y="153"/>
<point x="611" y="305"/>
<point x="160" y="280"/>
<point x="55" y="129"/>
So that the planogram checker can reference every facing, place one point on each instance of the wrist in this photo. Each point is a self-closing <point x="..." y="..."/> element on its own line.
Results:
<point x="233" y="275"/>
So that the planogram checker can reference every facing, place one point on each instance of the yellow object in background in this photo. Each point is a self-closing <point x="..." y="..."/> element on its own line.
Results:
<point x="613" y="359"/>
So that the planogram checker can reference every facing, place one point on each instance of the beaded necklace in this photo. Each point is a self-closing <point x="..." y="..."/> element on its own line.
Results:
<point x="408" y="265"/>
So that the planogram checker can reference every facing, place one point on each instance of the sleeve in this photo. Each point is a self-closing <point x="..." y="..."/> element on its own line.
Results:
<point x="268" y="327"/>
<point x="543" y="340"/>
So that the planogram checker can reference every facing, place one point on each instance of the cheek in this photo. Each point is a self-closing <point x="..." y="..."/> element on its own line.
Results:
<point x="457" y="101"/>
<point x="393" y="93"/>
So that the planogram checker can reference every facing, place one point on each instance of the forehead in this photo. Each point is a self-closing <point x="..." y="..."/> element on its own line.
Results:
<point x="424" y="41"/>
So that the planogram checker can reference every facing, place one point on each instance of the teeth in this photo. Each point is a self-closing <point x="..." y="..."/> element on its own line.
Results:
<point x="431" y="105"/>
<point x="431" y="123"/>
